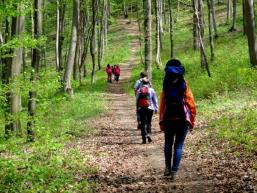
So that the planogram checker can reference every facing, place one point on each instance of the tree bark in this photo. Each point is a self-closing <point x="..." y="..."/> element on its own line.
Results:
<point x="251" y="31"/>
<point x="213" y="18"/>
<point x="171" y="29"/>
<point x="93" y="41"/>
<point x="158" y="31"/>
<point x="57" y="42"/>
<point x="233" y="28"/>
<point x="210" y="29"/>
<point x="244" y="16"/>
<point x="228" y="10"/>
<point x="148" y="42"/>
<point x="195" y="27"/>
<point x="14" y="96"/>
<point x="196" y="12"/>
<point x="72" y="49"/>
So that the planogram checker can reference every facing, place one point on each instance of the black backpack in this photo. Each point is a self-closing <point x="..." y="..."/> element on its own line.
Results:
<point x="174" y="100"/>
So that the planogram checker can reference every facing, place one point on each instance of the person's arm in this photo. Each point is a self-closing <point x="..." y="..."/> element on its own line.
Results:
<point x="155" y="101"/>
<point x="189" y="99"/>
<point x="136" y="86"/>
<point x="161" y="111"/>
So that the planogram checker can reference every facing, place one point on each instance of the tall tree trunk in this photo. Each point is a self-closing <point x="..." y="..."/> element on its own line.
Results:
<point x="233" y="28"/>
<point x="161" y="22"/>
<point x="213" y="18"/>
<point x="201" y="23"/>
<point x="202" y="49"/>
<point x="210" y="29"/>
<point x="251" y="31"/>
<point x="195" y="27"/>
<point x="57" y="42"/>
<point x="171" y="29"/>
<point x="14" y="96"/>
<point x="100" y="35"/>
<point x="36" y="57"/>
<point x="228" y="10"/>
<point x="157" y="38"/>
<point x="71" y="56"/>
<point x="147" y="27"/>
<point x="244" y="16"/>
<point x="93" y="40"/>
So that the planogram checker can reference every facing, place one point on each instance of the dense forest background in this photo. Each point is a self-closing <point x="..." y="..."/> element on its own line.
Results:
<point x="52" y="70"/>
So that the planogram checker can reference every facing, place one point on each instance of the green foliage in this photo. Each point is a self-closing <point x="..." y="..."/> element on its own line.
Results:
<point x="47" y="165"/>
<point x="226" y="102"/>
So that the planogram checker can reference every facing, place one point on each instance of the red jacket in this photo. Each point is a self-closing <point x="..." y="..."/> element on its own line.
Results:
<point x="189" y="108"/>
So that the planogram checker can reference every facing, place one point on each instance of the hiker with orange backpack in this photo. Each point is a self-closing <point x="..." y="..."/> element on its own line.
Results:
<point x="147" y="103"/>
<point x="108" y="70"/>
<point x="177" y="114"/>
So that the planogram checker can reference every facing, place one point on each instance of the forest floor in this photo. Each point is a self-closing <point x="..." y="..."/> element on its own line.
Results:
<point x="126" y="165"/>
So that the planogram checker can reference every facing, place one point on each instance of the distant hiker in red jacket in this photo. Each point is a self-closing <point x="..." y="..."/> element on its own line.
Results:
<point x="109" y="73"/>
<point x="116" y="73"/>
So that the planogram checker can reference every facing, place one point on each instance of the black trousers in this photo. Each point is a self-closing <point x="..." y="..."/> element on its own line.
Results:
<point x="145" y="115"/>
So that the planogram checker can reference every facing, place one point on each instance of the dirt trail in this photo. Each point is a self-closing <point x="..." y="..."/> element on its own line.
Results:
<point x="126" y="165"/>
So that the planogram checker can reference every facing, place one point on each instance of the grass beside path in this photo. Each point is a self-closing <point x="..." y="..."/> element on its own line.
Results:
<point x="47" y="165"/>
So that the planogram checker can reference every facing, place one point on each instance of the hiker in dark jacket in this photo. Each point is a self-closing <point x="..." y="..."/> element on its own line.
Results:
<point x="177" y="114"/>
<point x="147" y="103"/>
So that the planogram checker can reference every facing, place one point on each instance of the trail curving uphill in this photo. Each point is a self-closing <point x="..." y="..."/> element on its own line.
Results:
<point x="124" y="164"/>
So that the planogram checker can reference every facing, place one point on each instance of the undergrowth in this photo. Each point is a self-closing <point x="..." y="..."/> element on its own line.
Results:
<point x="49" y="164"/>
<point x="226" y="101"/>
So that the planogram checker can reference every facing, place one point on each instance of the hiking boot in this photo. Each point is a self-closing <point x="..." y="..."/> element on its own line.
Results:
<point x="144" y="141"/>
<point x="149" y="139"/>
<point x="167" y="171"/>
<point x="173" y="175"/>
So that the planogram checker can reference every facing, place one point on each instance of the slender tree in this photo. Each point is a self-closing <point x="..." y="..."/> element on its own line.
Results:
<point x="202" y="49"/>
<point x="158" y="32"/>
<point x="72" y="50"/>
<point x="213" y="17"/>
<point x="93" y="40"/>
<point x="147" y="35"/>
<point x="251" y="31"/>
<point x="210" y="29"/>
<point x="233" y="28"/>
<point x="36" y="57"/>
<point x="14" y="96"/>
<point x="171" y="29"/>
<point x="228" y="10"/>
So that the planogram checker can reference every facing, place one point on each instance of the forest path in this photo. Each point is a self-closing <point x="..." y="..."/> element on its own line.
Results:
<point x="126" y="165"/>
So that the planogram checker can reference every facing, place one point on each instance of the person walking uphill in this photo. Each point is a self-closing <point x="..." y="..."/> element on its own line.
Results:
<point x="177" y="114"/>
<point x="147" y="103"/>
<point x="137" y="86"/>
<point x="108" y="70"/>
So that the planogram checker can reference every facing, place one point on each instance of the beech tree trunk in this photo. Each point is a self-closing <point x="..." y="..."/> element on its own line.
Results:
<point x="147" y="34"/>
<point x="210" y="29"/>
<point x="171" y="29"/>
<point x="233" y="28"/>
<point x="72" y="49"/>
<point x="251" y="31"/>
<point x="93" y="40"/>
<point x="228" y="10"/>
<point x="14" y="95"/>
<point x="157" y="38"/>
<point x="213" y="18"/>
<point x="195" y="27"/>
<point x="202" y="49"/>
